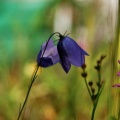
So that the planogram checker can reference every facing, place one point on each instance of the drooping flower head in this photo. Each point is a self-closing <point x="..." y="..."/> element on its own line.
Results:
<point x="66" y="52"/>
<point x="70" y="53"/>
<point x="48" y="55"/>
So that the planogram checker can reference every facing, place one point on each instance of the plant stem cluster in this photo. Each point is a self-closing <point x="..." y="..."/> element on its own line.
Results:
<point x="94" y="94"/>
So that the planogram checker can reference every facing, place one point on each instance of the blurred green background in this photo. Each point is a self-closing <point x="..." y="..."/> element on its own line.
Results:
<point x="55" y="95"/>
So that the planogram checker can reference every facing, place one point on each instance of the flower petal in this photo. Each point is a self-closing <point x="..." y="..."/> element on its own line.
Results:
<point x="116" y="85"/>
<point x="54" y="55"/>
<point x="64" y="60"/>
<point x="50" y="56"/>
<point x="50" y="45"/>
<point x="45" y="62"/>
<point x="118" y="74"/>
<point x="74" y="51"/>
<point x="39" y="56"/>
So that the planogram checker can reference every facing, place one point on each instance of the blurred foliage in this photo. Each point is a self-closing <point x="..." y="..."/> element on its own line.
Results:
<point x="24" y="26"/>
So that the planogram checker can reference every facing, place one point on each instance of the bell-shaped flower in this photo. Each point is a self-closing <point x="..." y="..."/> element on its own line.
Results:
<point x="70" y="53"/>
<point x="48" y="55"/>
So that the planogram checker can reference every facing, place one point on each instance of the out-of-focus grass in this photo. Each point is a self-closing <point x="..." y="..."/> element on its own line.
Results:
<point x="24" y="26"/>
<point x="115" y="56"/>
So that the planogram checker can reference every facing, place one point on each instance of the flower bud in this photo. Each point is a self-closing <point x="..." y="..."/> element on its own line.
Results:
<point x="84" y="74"/>
<point x="90" y="83"/>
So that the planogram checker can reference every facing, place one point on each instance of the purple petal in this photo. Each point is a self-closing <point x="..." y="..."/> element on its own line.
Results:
<point x="50" y="56"/>
<point x="53" y="54"/>
<point x="74" y="51"/>
<point x="55" y="57"/>
<point x="116" y="85"/>
<point x="50" y="45"/>
<point x="45" y="62"/>
<point x="64" y="60"/>
<point x="39" y="56"/>
<point x="118" y="74"/>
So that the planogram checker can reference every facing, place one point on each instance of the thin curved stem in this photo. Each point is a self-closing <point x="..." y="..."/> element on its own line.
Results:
<point x="96" y="102"/>
<point x="119" y="108"/>
<point x="75" y="116"/>
<point x="93" y="112"/>
<point x="33" y="79"/>
<point x="99" y="76"/>
<point x="100" y="89"/>
<point x="48" y="42"/>
<point x="88" y="88"/>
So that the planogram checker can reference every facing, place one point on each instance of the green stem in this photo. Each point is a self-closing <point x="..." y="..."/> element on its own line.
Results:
<point x="99" y="77"/>
<point x="93" y="112"/>
<point x="88" y="88"/>
<point x="33" y="79"/>
<point x="96" y="102"/>
<point x="98" y="95"/>
<point x="119" y="107"/>
<point x="74" y="116"/>
<point x="117" y="38"/>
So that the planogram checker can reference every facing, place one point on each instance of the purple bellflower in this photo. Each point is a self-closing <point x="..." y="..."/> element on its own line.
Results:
<point x="70" y="53"/>
<point x="48" y="55"/>
<point x="66" y="52"/>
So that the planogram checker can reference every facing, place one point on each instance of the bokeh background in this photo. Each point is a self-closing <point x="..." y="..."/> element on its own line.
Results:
<point x="55" y="95"/>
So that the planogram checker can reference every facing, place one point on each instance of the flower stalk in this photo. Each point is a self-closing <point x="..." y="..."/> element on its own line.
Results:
<point x="33" y="79"/>
<point x="94" y="96"/>
<point x="50" y="55"/>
